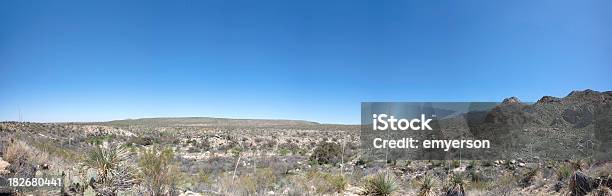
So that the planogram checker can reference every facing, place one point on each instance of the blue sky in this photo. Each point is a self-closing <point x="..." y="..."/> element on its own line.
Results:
<point x="311" y="60"/>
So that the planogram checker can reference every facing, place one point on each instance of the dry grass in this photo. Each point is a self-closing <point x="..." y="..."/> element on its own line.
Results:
<point x="563" y="172"/>
<point x="16" y="151"/>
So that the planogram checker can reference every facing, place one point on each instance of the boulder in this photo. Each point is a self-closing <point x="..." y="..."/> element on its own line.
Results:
<point x="4" y="167"/>
<point x="580" y="184"/>
<point x="559" y="185"/>
<point x="190" y="193"/>
<point x="457" y="190"/>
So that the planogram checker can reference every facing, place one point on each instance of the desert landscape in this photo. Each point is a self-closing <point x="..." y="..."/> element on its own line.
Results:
<point x="216" y="156"/>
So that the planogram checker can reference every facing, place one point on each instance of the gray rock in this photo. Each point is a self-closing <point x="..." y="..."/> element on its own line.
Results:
<point x="559" y="185"/>
<point x="580" y="184"/>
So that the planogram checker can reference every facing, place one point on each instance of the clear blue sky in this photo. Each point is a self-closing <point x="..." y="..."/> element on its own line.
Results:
<point x="311" y="60"/>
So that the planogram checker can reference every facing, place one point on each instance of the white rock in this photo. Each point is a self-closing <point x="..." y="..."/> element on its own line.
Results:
<point x="4" y="167"/>
<point x="190" y="193"/>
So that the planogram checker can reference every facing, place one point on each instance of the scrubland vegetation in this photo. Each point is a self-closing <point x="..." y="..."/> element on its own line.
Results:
<point x="203" y="156"/>
<point x="109" y="160"/>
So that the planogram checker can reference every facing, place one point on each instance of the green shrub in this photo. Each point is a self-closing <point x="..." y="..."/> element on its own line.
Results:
<point x="283" y="152"/>
<point x="455" y="163"/>
<point x="327" y="153"/>
<point x="380" y="184"/>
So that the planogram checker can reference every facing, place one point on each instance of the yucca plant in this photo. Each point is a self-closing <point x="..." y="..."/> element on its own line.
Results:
<point x="457" y="185"/>
<point x="380" y="184"/>
<point x="427" y="186"/>
<point x="106" y="160"/>
<point x="458" y="179"/>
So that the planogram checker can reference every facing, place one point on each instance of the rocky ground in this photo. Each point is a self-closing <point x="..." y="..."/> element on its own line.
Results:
<point x="209" y="156"/>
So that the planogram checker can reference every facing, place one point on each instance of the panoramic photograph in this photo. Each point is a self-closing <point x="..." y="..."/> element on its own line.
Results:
<point x="382" y="98"/>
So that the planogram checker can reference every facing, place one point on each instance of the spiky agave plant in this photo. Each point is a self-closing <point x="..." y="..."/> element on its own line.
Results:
<point x="380" y="184"/>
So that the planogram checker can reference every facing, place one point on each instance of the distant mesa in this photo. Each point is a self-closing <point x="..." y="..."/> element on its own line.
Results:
<point x="208" y="121"/>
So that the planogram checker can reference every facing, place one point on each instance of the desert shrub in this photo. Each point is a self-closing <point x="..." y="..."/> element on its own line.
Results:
<point x="529" y="177"/>
<point x="142" y="141"/>
<point x="380" y="184"/>
<point x="471" y="165"/>
<point x="265" y="178"/>
<point x="216" y="165"/>
<point x="236" y="151"/>
<point x="247" y="185"/>
<point x="98" y="139"/>
<point x="290" y="148"/>
<point x="563" y="172"/>
<point x="283" y="152"/>
<point x="455" y="163"/>
<point x="202" y="180"/>
<point x="327" y="153"/>
<point x="17" y="151"/>
<point x="436" y="163"/>
<point x="504" y="185"/>
<point x="258" y="183"/>
<point x="157" y="171"/>
<point x="20" y="156"/>
<point x="325" y="182"/>
<point x="338" y="183"/>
